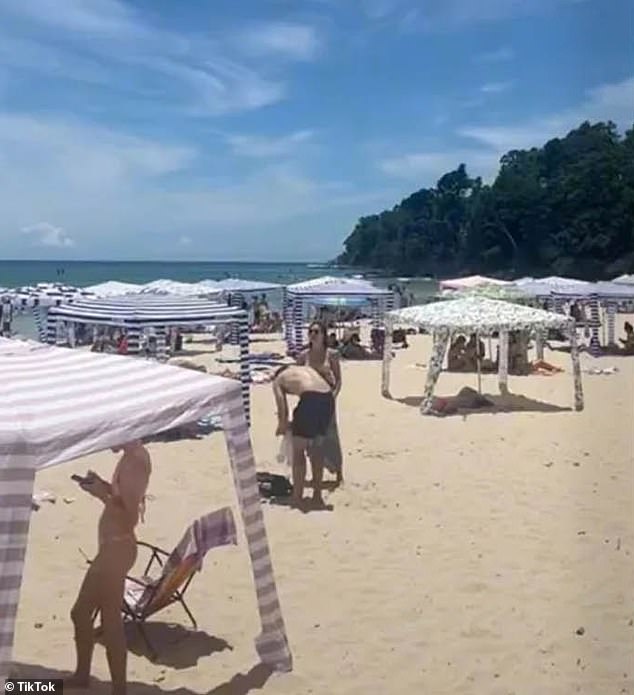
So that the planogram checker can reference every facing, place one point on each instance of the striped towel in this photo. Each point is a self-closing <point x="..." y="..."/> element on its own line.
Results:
<point x="210" y="531"/>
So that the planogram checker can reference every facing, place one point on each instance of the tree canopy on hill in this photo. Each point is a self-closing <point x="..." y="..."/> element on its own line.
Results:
<point x="566" y="208"/>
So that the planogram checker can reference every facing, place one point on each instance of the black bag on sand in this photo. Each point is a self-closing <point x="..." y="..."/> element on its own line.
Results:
<point x="273" y="485"/>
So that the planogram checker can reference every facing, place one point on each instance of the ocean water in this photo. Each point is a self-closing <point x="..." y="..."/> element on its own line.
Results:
<point x="85" y="273"/>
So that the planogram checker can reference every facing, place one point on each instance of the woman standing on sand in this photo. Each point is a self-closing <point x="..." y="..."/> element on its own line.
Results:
<point x="326" y="363"/>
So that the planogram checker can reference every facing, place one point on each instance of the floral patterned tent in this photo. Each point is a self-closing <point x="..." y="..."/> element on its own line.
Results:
<point x="483" y="317"/>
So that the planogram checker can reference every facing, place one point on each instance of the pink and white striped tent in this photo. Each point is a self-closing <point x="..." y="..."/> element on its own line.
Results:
<point x="60" y="404"/>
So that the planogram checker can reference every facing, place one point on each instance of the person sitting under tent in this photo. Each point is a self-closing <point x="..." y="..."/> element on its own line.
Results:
<point x="103" y="585"/>
<point x="456" y="357"/>
<point x="628" y="342"/>
<point x="399" y="337"/>
<point x="353" y="350"/>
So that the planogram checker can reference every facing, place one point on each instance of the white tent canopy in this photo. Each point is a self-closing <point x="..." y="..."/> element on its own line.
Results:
<point x="183" y="289"/>
<point x="61" y="404"/>
<point x="482" y="317"/>
<point x="245" y="286"/>
<point x="114" y="288"/>
<point x="625" y="279"/>
<point x="469" y="282"/>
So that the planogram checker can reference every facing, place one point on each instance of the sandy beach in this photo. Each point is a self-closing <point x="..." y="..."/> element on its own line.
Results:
<point x="490" y="554"/>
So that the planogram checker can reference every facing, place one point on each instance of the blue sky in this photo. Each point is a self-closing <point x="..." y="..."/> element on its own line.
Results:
<point x="262" y="129"/>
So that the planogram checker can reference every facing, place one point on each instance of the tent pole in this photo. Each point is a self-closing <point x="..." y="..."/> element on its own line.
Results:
<point x="478" y="363"/>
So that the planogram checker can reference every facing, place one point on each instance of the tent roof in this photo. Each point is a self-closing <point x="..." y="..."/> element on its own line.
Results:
<point x="159" y="310"/>
<point x="240" y="285"/>
<point x="578" y="289"/>
<point x="45" y="294"/>
<point x="114" y="288"/>
<point x="59" y="404"/>
<point x="334" y="286"/>
<point x="469" y="281"/>
<point x="625" y="279"/>
<point x="183" y="289"/>
<point x="603" y="290"/>
<point x="477" y="314"/>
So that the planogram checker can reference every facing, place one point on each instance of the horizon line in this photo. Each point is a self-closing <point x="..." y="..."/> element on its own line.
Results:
<point x="93" y="260"/>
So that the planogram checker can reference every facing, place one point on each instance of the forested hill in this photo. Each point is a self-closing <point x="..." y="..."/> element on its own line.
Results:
<point x="566" y="208"/>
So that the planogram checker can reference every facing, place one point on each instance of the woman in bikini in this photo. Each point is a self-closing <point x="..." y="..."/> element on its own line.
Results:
<point x="103" y="586"/>
<point x="325" y="361"/>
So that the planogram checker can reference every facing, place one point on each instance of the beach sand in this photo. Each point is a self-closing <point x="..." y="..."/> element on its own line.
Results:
<point x="464" y="555"/>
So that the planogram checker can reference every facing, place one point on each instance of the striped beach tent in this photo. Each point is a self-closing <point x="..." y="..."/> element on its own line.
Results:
<point x="156" y="313"/>
<point x="61" y="404"/>
<point x="38" y="298"/>
<point x="324" y="291"/>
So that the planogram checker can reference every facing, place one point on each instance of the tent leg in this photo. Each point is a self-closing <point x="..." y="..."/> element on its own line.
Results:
<point x="272" y="643"/>
<point x="387" y="358"/>
<point x="441" y="339"/>
<point x="16" y="495"/>
<point x="576" y="369"/>
<point x="503" y="365"/>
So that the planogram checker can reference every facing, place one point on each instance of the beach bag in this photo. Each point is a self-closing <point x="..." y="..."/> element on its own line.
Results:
<point x="273" y="485"/>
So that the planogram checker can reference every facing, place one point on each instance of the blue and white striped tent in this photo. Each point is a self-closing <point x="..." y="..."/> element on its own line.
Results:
<point x="324" y="291"/>
<point x="136" y="313"/>
<point x="38" y="298"/>
<point x="595" y="295"/>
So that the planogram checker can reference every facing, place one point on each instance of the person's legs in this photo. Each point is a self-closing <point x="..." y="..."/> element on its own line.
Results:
<point x="81" y="614"/>
<point x="317" y="467"/>
<point x="121" y="555"/>
<point x="299" y="469"/>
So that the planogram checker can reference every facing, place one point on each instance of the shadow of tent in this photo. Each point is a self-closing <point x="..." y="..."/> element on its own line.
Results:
<point x="176" y="646"/>
<point x="240" y="684"/>
<point x="510" y="403"/>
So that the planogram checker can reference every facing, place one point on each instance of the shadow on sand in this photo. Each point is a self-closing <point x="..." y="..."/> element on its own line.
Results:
<point x="510" y="403"/>
<point x="240" y="684"/>
<point x="176" y="647"/>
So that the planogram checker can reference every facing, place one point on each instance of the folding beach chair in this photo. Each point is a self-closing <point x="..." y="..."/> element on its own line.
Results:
<point x="145" y="596"/>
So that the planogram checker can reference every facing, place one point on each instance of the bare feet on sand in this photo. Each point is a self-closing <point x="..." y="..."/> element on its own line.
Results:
<point x="76" y="682"/>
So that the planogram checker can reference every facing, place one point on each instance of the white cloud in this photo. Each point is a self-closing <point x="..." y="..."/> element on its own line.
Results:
<point x="261" y="147"/>
<point x="185" y="240"/>
<point x="95" y="17"/>
<point x="293" y="41"/>
<point x="123" y="196"/>
<point x="45" y="234"/>
<point x="605" y="102"/>
<point x="105" y="42"/>
<point x="500" y="55"/>
<point x="425" y="168"/>
<point x="434" y="15"/>
<point x="495" y="87"/>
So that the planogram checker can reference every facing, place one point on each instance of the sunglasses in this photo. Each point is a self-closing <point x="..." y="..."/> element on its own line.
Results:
<point x="314" y="331"/>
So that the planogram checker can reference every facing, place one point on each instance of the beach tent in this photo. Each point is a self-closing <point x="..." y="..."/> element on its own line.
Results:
<point x="321" y="292"/>
<point x="560" y="291"/>
<point x="114" y="288"/>
<point x="482" y="317"/>
<point x="38" y="298"/>
<point x="507" y="293"/>
<point x="624" y="279"/>
<point x="137" y="313"/>
<point x="182" y="289"/>
<point x="470" y="281"/>
<point x="61" y="404"/>
<point x="246" y="286"/>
